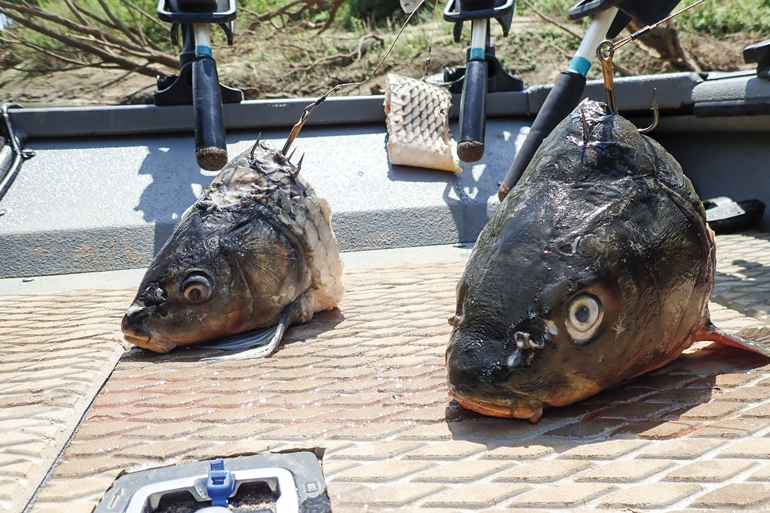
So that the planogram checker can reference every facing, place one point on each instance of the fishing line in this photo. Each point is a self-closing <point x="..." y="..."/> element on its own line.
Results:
<point x="606" y="50"/>
<point x="430" y="41"/>
<point x="648" y="28"/>
<point x="310" y="108"/>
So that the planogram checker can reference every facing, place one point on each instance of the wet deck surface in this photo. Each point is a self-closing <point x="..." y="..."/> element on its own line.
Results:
<point x="366" y="383"/>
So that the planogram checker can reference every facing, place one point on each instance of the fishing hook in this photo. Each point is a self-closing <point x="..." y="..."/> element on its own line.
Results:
<point x="654" y="114"/>
<point x="608" y="73"/>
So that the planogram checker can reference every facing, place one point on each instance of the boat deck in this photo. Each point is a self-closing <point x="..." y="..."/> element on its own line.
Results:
<point x="365" y="387"/>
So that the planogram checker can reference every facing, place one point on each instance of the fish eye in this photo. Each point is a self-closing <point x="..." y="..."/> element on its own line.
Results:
<point x="196" y="287"/>
<point x="584" y="317"/>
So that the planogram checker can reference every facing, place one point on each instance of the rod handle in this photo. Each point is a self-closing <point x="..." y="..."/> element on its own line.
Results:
<point x="564" y="97"/>
<point x="210" y="139"/>
<point x="473" y="108"/>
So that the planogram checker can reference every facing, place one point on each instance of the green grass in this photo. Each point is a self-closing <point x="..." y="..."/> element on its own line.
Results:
<point x="722" y="17"/>
<point x="713" y="17"/>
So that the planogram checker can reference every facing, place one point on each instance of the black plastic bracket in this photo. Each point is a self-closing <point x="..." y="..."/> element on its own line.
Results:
<point x="458" y="11"/>
<point x="185" y="11"/>
<point x="644" y="11"/>
<point x="177" y="89"/>
<point x="498" y="80"/>
<point x="590" y="7"/>
<point x="759" y="53"/>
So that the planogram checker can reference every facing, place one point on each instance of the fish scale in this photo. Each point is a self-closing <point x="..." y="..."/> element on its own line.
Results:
<point x="418" y="124"/>
<point x="282" y="187"/>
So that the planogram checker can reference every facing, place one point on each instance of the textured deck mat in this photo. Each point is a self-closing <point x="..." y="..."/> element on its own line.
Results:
<point x="55" y="353"/>
<point x="367" y="384"/>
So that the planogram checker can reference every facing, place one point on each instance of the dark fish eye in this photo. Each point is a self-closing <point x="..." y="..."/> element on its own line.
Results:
<point x="582" y="314"/>
<point x="584" y="317"/>
<point x="196" y="287"/>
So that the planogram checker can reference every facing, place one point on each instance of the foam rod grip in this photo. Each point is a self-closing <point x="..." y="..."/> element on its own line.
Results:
<point x="564" y="97"/>
<point x="210" y="139"/>
<point x="473" y="109"/>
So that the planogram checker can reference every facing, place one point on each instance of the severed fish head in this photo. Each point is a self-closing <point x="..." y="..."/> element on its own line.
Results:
<point x="222" y="272"/>
<point x="255" y="251"/>
<point x="596" y="268"/>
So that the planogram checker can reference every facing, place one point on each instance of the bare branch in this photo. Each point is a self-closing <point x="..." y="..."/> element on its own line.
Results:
<point x="138" y="28"/>
<point x="109" y="46"/>
<point x="44" y="51"/>
<point x="118" y="23"/>
<point x="14" y="11"/>
<point x="340" y="57"/>
<point x="549" y="20"/>
<point x="105" y="55"/>
<point x="145" y="14"/>
<point x="286" y="11"/>
<point x="150" y="42"/>
<point x="76" y="12"/>
<point x="332" y="13"/>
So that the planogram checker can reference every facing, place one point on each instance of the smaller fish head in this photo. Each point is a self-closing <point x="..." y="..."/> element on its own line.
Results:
<point x="192" y="292"/>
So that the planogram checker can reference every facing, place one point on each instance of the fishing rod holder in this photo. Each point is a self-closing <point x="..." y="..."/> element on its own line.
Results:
<point x="759" y="54"/>
<point x="644" y="11"/>
<point x="482" y="72"/>
<point x="458" y="11"/>
<point x="197" y="82"/>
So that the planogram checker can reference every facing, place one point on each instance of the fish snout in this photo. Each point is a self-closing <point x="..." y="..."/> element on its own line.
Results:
<point x="484" y="390"/>
<point x="132" y="319"/>
<point x="133" y="327"/>
<point x="475" y="361"/>
<point x="489" y="374"/>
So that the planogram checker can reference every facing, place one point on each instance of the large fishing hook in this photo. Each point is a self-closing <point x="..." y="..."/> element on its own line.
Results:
<point x="608" y="73"/>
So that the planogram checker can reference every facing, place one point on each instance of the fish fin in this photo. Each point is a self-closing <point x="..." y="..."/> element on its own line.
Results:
<point x="253" y="148"/>
<point x="259" y="343"/>
<point x="756" y="340"/>
<point x="246" y="340"/>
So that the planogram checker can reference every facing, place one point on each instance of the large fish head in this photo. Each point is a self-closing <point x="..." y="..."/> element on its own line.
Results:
<point x="528" y="321"/>
<point x="220" y="273"/>
<point x="579" y="279"/>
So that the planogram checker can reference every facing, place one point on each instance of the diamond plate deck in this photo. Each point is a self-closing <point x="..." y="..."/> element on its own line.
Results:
<point x="366" y="383"/>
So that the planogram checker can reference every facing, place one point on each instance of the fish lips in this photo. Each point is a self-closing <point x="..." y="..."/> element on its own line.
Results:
<point x="513" y="405"/>
<point x="134" y="332"/>
<point x="480" y="371"/>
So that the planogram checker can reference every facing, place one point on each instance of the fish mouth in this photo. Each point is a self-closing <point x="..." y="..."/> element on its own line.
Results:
<point x="517" y="406"/>
<point x="145" y="339"/>
<point x="156" y="344"/>
<point x="137" y="340"/>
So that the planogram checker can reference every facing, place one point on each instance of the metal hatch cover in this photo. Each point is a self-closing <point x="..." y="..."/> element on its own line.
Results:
<point x="296" y="476"/>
